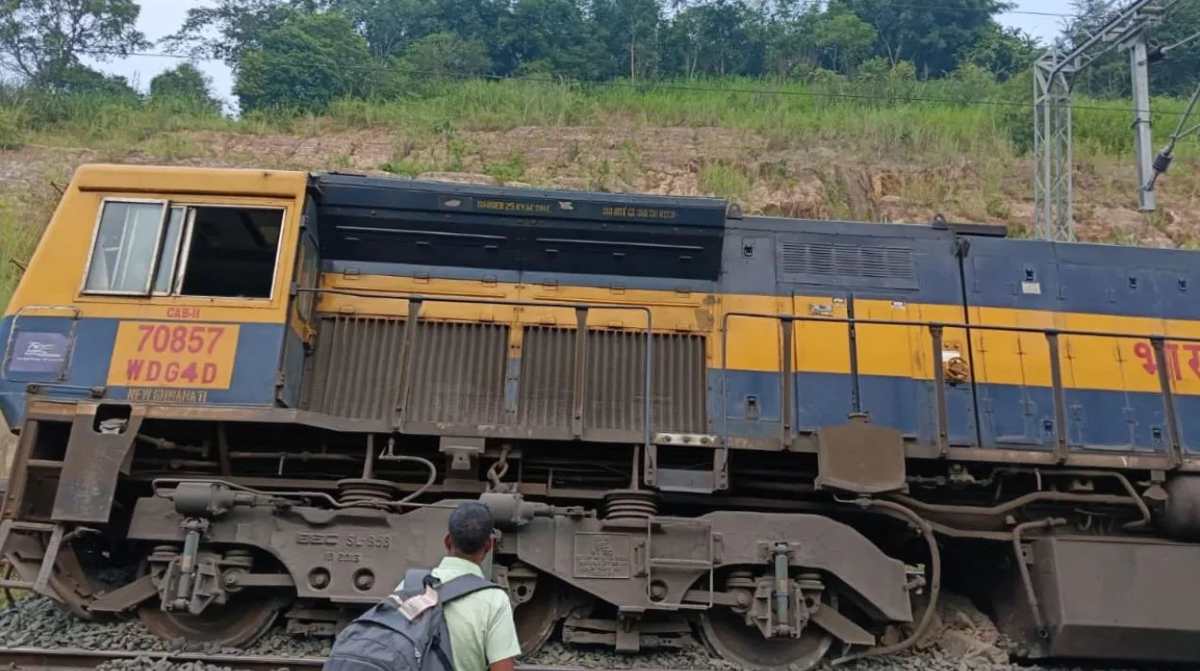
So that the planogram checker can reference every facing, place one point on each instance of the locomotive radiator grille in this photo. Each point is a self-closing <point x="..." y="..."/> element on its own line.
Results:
<point x="614" y="381"/>
<point x="458" y="373"/>
<point x="458" y="376"/>
<point x="358" y="370"/>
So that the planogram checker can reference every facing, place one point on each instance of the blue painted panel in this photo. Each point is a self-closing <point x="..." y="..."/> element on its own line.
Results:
<point x="1097" y="279"/>
<point x="293" y="368"/>
<point x="825" y="399"/>
<point x="1012" y="273"/>
<point x="254" y="374"/>
<point x="1021" y="417"/>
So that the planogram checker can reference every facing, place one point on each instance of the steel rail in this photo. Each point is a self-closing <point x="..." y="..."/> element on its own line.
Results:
<point x="80" y="659"/>
<point x="73" y="659"/>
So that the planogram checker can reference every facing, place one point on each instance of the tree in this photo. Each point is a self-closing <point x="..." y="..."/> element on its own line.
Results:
<point x="719" y="38"/>
<point x="843" y="39"/>
<point x="1176" y="73"/>
<point x="933" y="35"/>
<point x="1107" y="75"/>
<point x="185" y="84"/>
<point x="554" y="34"/>
<point x="41" y="41"/>
<point x="81" y="80"/>
<point x="1171" y="73"/>
<point x="1004" y="52"/>
<point x="629" y="31"/>
<point x="447" y="55"/>
<point x="232" y="27"/>
<point x="308" y="61"/>
<point x="391" y="26"/>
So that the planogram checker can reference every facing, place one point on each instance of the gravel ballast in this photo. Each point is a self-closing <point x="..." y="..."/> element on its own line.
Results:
<point x="961" y="639"/>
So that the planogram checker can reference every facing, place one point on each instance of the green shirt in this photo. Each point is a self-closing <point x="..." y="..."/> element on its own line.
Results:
<point x="481" y="624"/>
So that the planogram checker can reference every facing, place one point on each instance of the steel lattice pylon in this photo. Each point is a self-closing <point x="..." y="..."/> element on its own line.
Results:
<point x="1052" y="150"/>
<point x="1053" y="75"/>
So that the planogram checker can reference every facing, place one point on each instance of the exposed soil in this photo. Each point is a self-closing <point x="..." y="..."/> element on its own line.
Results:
<point x="810" y="182"/>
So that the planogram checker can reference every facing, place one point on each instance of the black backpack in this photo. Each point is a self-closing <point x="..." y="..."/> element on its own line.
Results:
<point x="407" y="630"/>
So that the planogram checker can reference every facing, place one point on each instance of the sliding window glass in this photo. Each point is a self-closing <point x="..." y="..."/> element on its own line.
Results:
<point x="123" y="256"/>
<point x="145" y="247"/>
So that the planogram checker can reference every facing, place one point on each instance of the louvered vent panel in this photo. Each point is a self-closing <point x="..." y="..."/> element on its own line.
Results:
<point x="812" y="262"/>
<point x="547" y="377"/>
<point x="458" y="376"/>
<point x="357" y="369"/>
<point x="458" y="373"/>
<point x="615" y="385"/>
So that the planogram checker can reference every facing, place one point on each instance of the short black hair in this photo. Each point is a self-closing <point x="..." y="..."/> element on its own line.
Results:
<point x="470" y="527"/>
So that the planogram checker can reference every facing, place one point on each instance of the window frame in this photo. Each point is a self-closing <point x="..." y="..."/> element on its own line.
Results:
<point x="183" y="250"/>
<point x="152" y="275"/>
<point x="180" y="251"/>
<point x="306" y="301"/>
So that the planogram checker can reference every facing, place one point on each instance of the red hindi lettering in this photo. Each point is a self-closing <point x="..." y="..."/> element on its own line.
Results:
<point x="1144" y="352"/>
<point x="1173" y="361"/>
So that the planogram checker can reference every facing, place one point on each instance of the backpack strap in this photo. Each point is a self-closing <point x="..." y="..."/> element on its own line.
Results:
<point x="462" y="586"/>
<point x="415" y="582"/>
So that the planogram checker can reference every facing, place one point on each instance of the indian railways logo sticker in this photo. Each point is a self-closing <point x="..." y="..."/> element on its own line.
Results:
<point x="173" y="356"/>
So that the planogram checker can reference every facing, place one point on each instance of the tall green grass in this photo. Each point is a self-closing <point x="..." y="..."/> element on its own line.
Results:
<point x="24" y="213"/>
<point x="900" y="116"/>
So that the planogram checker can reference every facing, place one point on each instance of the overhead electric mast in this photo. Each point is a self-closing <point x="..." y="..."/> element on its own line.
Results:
<point x="1053" y="76"/>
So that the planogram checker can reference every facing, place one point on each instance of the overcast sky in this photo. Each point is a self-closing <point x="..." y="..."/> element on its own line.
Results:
<point x="163" y="17"/>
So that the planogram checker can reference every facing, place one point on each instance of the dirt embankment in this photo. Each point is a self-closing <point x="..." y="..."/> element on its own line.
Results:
<point x="810" y="181"/>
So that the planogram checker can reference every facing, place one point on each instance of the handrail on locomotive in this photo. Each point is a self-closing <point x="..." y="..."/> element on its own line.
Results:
<point x="936" y="331"/>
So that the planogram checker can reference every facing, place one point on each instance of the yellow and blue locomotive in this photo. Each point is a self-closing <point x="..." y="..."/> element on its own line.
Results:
<point x="246" y="395"/>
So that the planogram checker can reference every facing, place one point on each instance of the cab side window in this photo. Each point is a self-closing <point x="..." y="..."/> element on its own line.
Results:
<point x="165" y="249"/>
<point x="231" y="252"/>
<point x="123" y="256"/>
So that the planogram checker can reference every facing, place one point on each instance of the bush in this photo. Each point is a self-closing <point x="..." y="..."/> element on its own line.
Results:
<point x="183" y="88"/>
<point x="304" y="64"/>
<point x="12" y="124"/>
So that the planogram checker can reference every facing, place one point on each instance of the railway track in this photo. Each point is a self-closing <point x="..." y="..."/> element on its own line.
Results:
<point x="78" y="659"/>
<point x="73" y="659"/>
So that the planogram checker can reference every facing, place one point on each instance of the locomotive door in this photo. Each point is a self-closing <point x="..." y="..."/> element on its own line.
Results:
<point x="822" y="392"/>
<point x="895" y="383"/>
<point x="1012" y="283"/>
<point x="910" y="276"/>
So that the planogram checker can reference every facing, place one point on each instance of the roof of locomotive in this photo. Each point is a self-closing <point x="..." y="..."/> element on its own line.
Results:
<point x="341" y="191"/>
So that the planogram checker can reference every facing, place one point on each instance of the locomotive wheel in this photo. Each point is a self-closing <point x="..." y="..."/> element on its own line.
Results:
<point x="238" y="623"/>
<point x="727" y="633"/>
<point x="535" y="619"/>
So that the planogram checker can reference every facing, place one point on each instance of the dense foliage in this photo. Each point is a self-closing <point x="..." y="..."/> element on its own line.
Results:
<point x="300" y="55"/>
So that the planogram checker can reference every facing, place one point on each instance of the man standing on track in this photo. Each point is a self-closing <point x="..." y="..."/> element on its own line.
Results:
<point x="482" y="632"/>
<point x="449" y="618"/>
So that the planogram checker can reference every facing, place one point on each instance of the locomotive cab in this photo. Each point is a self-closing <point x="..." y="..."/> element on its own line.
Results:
<point x="158" y="286"/>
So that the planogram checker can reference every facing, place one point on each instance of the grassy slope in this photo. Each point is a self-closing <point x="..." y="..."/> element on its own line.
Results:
<point x="818" y="151"/>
